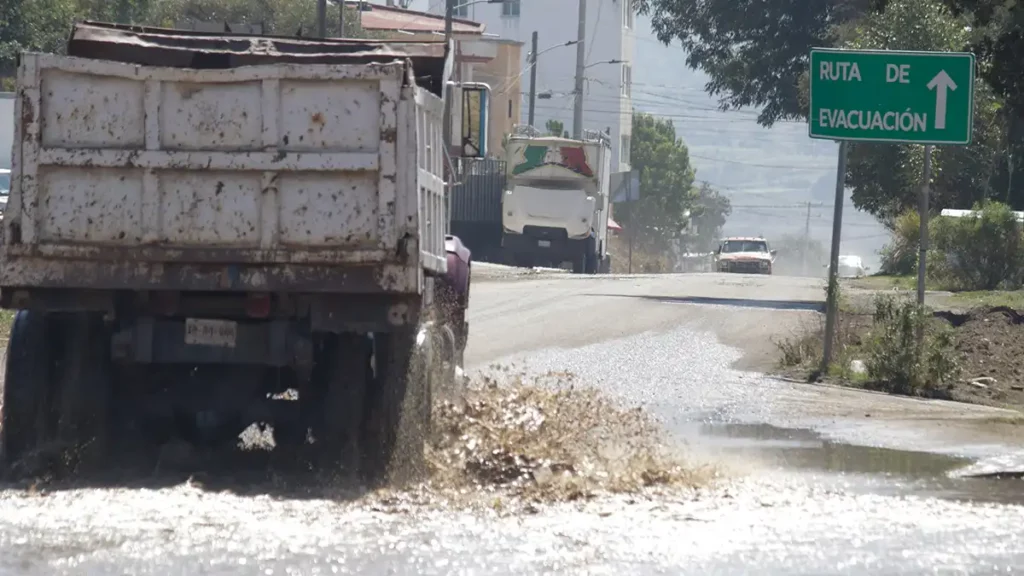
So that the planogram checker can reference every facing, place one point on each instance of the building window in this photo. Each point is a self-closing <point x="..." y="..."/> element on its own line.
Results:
<point x="624" y="150"/>
<point x="627" y="13"/>
<point x="461" y="9"/>
<point x="627" y="80"/>
<point x="510" y="8"/>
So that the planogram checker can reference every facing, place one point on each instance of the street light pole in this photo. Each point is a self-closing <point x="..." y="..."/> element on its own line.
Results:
<point x="446" y="130"/>
<point x="533" y="76"/>
<point x="577" y="112"/>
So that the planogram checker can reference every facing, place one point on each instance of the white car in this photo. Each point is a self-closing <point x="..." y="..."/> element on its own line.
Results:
<point x="851" y="267"/>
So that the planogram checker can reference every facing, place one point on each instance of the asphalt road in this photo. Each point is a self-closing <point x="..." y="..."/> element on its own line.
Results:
<point x="813" y="480"/>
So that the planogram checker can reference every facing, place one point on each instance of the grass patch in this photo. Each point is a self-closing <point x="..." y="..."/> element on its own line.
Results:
<point x="6" y="319"/>
<point x="992" y="298"/>
<point x="888" y="282"/>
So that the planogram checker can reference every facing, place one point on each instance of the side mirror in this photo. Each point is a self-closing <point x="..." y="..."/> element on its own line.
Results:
<point x="475" y="114"/>
<point x="773" y="252"/>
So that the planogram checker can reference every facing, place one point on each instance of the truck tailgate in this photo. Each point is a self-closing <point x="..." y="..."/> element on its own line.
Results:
<point x="281" y="164"/>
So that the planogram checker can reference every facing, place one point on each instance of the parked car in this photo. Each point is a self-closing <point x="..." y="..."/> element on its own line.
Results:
<point x="744" y="255"/>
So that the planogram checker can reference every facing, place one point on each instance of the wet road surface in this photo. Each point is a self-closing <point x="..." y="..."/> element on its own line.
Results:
<point x="813" y="480"/>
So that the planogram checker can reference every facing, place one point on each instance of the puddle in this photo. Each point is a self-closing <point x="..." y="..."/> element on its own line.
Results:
<point x="855" y="468"/>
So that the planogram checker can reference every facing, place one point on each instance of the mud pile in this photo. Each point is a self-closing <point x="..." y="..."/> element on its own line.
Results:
<point x="549" y="439"/>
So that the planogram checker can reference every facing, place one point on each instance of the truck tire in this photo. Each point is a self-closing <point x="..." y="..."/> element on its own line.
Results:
<point x="85" y="389"/>
<point x="30" y="357"/>
<point x="398" y="409"/>
<point x="340" y="380"/>
<point x="56" y="393"/>
<point x="586" y="262"/>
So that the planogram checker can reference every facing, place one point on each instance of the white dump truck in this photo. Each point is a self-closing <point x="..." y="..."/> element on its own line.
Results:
<point x="211" y="231"/>
<point x="555" y="207"/>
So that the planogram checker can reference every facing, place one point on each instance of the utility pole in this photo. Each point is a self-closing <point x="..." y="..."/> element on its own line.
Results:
<point x="577" y="112"/>
<point x="321" y="18"/>
<point x="446" y="130"/>
<point x="533" y="76"/>
<point x="807" y="241"/>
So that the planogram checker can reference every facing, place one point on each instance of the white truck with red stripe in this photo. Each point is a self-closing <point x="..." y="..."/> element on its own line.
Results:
<point x="555" y="207"/>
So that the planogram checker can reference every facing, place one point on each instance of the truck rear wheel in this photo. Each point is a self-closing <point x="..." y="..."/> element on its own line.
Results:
<point x="30" y="358"/>
<point x="56" y="393"/>
<point x="398" y="405"/>
<point x="341" y="377"/>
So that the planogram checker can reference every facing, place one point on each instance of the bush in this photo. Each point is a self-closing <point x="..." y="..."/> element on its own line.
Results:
<point x="894" y="361"/>
<point x="982" y="252"/>
<point x="899" y="256"/>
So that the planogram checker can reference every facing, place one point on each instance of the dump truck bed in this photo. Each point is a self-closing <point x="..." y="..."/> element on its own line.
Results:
<point x="266" y="173"/>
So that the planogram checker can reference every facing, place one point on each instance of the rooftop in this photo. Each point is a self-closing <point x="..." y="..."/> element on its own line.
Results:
<point x="392" y="18"/>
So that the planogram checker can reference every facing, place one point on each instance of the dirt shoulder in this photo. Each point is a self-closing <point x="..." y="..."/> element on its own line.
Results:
<point x="988" y="341"/>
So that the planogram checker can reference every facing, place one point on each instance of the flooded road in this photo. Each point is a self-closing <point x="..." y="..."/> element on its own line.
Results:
<point x="800" y="479"/>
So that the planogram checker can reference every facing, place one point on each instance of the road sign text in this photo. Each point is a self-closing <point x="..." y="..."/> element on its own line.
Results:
<point x="890" y="96"/>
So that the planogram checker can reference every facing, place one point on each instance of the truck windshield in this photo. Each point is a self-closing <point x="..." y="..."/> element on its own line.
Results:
<point x="744" y="246"/>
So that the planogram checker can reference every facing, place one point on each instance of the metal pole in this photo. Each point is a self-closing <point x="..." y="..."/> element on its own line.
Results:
<point x="922" y="266"/>
<point x="533" y="76"/>
<point x="832" y="306"/>
<point x="632" y="217"/>
<point x="923" y="209"/>
<point x="446" y="130"/>
<point x="321" y="18"/>
<point x="341" y="18"/>
<point x="807" y="241"/>
<point x="577" y="112"/>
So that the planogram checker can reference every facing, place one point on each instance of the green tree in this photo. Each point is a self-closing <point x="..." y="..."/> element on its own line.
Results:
<point x="666" y="183"/>
<point x="710" y="211"/>
<point x="754" y="51"/>
<point x="886" y="178"/>
<point x="555" y="127"/>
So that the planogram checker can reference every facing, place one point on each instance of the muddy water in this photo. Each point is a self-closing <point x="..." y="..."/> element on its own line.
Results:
<point x="785" y="500"/>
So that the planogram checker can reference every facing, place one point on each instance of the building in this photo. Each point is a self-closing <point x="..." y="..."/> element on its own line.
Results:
<point x="478" y="57"/>
<point x="609" y="38"/>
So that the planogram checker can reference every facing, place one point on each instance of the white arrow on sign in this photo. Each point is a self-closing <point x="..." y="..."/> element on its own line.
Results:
<point x="940" y="83"/>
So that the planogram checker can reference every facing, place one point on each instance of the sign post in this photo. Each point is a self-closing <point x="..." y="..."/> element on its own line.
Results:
<point x="894" y="97"/>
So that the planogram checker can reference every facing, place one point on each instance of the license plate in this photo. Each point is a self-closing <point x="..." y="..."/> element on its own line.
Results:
<point x="544" y="243"/>
<point x="221" y="333"/>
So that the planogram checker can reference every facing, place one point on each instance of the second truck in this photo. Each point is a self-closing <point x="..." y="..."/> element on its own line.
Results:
<point x="211" y="231"/>
<point x="555" y="207"/>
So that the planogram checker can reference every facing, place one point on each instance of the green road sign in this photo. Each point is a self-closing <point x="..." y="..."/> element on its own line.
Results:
<point x="891" y="96"/>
